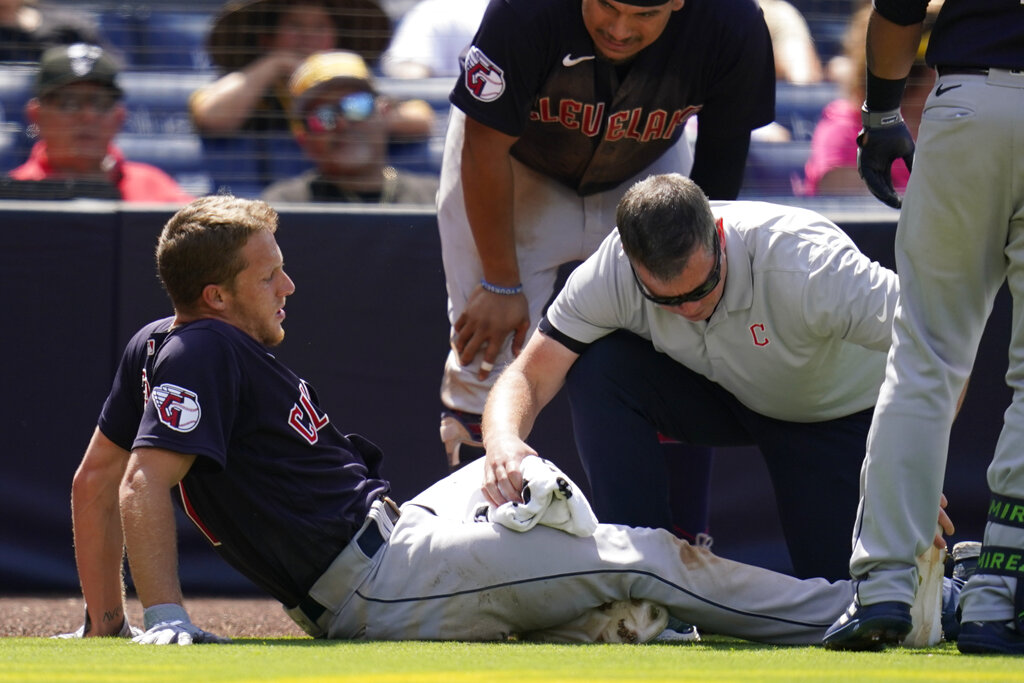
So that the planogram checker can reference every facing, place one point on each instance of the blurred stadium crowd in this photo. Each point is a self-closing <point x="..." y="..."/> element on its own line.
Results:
<point x="167" y="53"/>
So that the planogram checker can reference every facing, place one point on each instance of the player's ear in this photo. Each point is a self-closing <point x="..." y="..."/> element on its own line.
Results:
<point x="213" y="297"/>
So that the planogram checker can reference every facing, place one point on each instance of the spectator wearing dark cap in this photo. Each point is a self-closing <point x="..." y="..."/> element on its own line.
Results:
<point x="243" y="115"/>
<point x="340" y="125"/>
<point x="77" y="110"/>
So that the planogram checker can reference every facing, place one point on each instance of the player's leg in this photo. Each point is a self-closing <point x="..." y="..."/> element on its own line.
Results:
<point x="815" y="472"/>
<point x="548" y="233"/>
<point x="949" y="256"/>
<point x="993" y="599"/>
<point x="444" y="579"/>
<point x="622" y="394"/>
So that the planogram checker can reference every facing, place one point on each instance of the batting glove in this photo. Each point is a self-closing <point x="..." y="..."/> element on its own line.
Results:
<point x="883" y="139"/>
<point x="169" y="623"/>
<point x="127" y="630"/>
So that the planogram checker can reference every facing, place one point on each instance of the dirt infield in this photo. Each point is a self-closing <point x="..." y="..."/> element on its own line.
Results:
<point x="235" y="617"/>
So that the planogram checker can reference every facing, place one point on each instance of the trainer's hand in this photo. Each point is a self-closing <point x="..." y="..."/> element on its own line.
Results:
<point x="883" y="139"/>
<point x="126" y="631"/>
<point x="169" y="623"/>
<point x="945" y="523"/>
<point x="503" y="480"/>
<point x="485" y="325"/>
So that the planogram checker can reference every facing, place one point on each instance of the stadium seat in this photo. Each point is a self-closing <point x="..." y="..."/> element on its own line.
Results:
<point x="15" y="90"/>
<point x="179" y="155"/>
<point x="774" y="169"/>
<point x="175" y="40"/>
<point x="798" y="107"/>
<point x="153" y="36"/>
<point x="157" y="101"/>
<point x="119" y="26"/>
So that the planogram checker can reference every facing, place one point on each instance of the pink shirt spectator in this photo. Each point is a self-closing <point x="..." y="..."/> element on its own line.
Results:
<point x="834" y="145"/>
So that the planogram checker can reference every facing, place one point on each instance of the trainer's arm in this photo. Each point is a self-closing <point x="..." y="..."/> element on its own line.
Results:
<point x="487" y="184"/>
<point x="518" y="396"/>
<point x="147" y="515"/>
<point x="99" y="541"/>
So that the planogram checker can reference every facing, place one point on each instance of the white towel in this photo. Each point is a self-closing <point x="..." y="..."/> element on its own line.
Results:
<point x="550" y="498"/>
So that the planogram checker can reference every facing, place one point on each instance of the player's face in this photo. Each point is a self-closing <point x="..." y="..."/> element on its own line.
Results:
<point x="620" y="30"/>
<point x="78" y="122"/>
<point x="255" y="301"/>
<point x="345" y="134"/>
<point x="701" y="269"/>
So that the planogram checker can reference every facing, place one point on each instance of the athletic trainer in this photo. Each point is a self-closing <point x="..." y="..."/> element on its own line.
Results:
<point x="717" y="324"/>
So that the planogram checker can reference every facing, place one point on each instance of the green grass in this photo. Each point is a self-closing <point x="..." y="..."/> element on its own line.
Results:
<point x="30" y="660"/>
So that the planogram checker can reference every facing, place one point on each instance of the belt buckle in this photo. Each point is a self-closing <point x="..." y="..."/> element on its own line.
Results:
<point x="391" y="508"/>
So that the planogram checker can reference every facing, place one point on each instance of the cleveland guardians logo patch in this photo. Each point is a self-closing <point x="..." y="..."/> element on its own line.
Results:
<point x="176" y="407"/>
<point x="484" y="79"/>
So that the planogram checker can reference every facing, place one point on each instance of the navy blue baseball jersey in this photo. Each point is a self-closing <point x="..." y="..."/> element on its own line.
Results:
<point x="274" y="480"/>
<point x="971" y="33"/>
<point x="532" y="72"/>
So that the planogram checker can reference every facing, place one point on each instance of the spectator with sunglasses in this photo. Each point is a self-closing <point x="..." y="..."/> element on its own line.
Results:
<point x="717" y="324"/>
<point x="76" y="112"/>
<point x="340" y="124"/>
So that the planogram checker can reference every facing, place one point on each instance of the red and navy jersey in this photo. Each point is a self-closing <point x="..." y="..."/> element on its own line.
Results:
<point x="532" y="72"/>
<point x="275" y="487"/>
<point x="973" y="33"/>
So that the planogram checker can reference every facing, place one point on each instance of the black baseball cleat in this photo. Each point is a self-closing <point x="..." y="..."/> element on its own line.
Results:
<point x="870" y="627"/>
<point x="990" y="638"/>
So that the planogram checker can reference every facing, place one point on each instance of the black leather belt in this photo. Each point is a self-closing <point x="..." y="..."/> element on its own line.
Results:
<point x="961" y="70"/>
<point x="370" y="541"/>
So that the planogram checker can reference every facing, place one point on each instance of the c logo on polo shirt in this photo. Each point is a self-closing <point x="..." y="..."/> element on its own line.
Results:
<point x="758" y="332"/>
<point x="176" y="407"/>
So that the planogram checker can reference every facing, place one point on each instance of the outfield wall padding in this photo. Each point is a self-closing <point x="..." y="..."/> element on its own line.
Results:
<point x="366" y="326"/>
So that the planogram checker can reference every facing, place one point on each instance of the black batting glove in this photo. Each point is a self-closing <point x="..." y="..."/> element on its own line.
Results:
<point x="883" y="139"/>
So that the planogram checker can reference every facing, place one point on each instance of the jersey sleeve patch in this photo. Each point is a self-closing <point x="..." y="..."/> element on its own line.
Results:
<point x="485" y="80"/>
<point x="176" y="407"/>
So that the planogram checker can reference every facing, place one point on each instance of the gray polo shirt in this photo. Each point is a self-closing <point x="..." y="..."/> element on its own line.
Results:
<point x="801" y="332"/>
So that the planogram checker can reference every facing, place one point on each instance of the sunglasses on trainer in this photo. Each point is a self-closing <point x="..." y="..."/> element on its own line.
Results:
<point x="695" y="294"/>
<point x="354" y="108"/>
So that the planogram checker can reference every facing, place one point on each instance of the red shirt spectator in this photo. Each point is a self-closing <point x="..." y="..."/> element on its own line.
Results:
<point x="136" y="181"/>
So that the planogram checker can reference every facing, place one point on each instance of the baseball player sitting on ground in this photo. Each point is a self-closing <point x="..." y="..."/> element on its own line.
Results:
<point x="958" y="239"/>
<point x="201" y="409"/>
<point x="722" y="324"/>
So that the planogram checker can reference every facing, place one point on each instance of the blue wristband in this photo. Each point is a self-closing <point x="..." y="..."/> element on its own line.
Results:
<point x="497" y="289"/>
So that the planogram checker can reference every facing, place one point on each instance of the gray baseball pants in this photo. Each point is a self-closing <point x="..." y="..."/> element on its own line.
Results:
<point x="439" y="576"/>
<point x="960" y="235"/>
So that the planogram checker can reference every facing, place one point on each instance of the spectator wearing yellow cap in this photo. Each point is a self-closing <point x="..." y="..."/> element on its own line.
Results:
<point x="243" y="116"/>
<point x="340" y="124"/>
